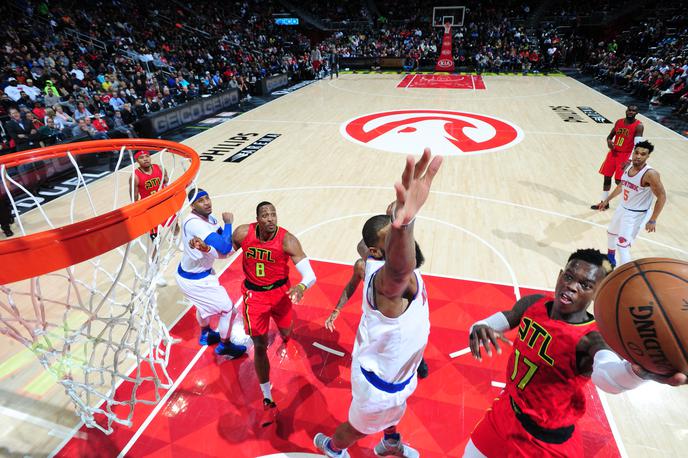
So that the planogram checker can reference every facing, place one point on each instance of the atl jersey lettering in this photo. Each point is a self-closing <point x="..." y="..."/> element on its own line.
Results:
<point x="264" y="262"/>
<point x="149" y="183"/>
<point x="624" y="135"/>
<point x="541" y="373"/>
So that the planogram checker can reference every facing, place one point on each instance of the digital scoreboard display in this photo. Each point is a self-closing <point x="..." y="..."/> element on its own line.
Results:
<point x="287" y="21"/>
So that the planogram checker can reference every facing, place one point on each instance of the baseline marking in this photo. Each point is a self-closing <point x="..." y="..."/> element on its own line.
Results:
<point x="456" y="354"/>
<point x="328" y="349"/>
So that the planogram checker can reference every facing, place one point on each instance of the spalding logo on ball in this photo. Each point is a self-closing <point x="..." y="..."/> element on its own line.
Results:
<point x="641" y="311"/>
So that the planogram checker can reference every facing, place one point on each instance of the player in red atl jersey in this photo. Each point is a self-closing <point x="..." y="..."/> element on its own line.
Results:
<point x="148" y="179"/>
<point x="620" y="141"/>
<point x="557" y="350"/>
<point x="267" y="290"/>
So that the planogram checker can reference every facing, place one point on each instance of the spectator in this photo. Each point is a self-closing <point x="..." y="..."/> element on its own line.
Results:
<point x="12" y="90"/>
<point x="20" y="131"/>
<point x="81" y="112"/>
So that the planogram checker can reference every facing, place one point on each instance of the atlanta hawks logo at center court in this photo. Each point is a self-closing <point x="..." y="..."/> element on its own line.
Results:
<point x="447" y="133"/>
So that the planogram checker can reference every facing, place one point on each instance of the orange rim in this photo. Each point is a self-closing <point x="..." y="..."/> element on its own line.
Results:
<point x="54" y="249"/>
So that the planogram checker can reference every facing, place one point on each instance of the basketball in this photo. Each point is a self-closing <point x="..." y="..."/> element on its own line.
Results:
<point x="641" y="310"/>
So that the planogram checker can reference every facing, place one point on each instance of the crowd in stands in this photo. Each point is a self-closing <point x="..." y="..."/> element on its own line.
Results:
<point x="79" y="70"/>
<point x="651" y="63"/>
<point x="92" y="69"/>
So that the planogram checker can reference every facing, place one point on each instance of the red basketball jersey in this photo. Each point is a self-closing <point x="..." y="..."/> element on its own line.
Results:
<point x="149" y="183"/>
<point x="541" y="373"/>
<point x="264" y="262"/>
<point x="624" y="136"/>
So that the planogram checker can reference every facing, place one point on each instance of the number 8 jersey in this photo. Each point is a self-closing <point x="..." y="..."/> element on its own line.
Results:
<point x="542" y="377"/>
<point x="264" y="263"/>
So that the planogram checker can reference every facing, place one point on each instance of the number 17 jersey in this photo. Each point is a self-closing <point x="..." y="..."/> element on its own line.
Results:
<point x="542" y="377"/>
<point x="266" y="262"/>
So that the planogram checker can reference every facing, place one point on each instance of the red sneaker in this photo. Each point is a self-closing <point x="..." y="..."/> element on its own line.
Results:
<point x="270" y="411"/>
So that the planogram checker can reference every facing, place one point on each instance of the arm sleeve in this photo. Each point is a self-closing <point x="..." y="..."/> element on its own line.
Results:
<point x="498" y="322"/>
<point x="613" y="374"/>
<point x="306" y="271"/>
<point x="222" y="243"/>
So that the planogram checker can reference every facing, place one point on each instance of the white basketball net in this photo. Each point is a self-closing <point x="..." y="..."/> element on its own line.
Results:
<point x="95" y="326"/>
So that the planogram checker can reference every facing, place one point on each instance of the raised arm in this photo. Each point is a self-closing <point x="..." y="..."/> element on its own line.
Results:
<point x="395" y="276"/>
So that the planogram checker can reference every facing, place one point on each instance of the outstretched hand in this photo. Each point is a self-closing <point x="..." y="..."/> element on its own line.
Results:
<point x="677" y="379"/>
<point x="485" y="336"/>
<point x="414" y="188"/>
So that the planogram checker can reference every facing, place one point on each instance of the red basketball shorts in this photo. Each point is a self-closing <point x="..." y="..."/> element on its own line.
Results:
<point x="260" y="306"/>
<point x="613" y="164"/>
<point x="500" y="434"/>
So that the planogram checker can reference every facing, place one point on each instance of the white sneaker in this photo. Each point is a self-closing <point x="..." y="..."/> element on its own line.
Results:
<point x="160" y="281"/>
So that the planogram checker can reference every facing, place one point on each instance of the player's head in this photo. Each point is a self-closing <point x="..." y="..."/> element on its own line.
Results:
<point x="200" y="202"/>
<point x="143" y="158"/>
<point x="631" y="111"/>
<point x="641" y="153"/>
<point x="375" y="231"/>
<point x="578" y="281"/>
<point x="266" y="216"/>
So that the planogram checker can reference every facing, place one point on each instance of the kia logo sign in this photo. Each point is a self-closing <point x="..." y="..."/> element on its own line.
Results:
<point x="447" y="133"/>
<point x="445" y="62"/>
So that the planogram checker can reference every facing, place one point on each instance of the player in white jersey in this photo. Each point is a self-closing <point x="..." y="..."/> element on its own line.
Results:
<point x="395" y="324"/>
<point x="639" y="183"/>
<point x="204" y="242"/>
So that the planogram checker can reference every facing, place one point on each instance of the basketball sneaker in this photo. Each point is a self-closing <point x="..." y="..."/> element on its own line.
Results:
<point x="395" y="448"/>
<point x="270" y="412"/>
<point x="422" y="369"/>
<point x="209" y="337"/>
<point x="230" y="350"/>
<point x="597" y="206"/>
<point x="322" y="442"/>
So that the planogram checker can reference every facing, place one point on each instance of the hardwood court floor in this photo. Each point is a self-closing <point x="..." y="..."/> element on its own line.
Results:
<point x="510" y="216"/>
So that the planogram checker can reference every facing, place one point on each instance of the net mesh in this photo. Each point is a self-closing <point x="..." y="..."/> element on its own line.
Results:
<point x="95" y="326"/>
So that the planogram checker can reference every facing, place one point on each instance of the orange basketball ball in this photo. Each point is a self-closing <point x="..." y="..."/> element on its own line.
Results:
<point x="641" y="310"/>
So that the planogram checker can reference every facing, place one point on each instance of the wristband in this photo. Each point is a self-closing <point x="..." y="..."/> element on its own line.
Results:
<point x="653" y="221"/>
<point x="498" y="322"/>
<point x="303" y="287"/>
<point x="394" y="216"/>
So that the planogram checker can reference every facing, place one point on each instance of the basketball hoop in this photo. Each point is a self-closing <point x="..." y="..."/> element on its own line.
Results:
<point x="78" y="287"/>
<point x="447" y="27"/>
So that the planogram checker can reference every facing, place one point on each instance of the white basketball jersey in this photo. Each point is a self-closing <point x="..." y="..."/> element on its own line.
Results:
<point x="635" y="196"/>
<point x="195" y="261"/>
<point x="392" y="348"/>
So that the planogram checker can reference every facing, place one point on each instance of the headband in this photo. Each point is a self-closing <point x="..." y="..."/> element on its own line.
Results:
<point x="138" y="153"/>
<point x="198" y="195"/>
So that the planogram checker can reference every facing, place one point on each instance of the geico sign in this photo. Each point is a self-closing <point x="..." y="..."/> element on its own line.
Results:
<point x="194" y="111"/>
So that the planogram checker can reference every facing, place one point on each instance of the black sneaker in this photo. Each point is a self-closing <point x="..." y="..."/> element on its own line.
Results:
<point x="597" y="207"/>
<point x="422" y="369"/>
<point x="269" y="414"/>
